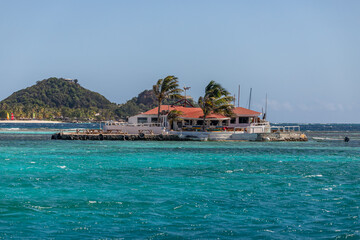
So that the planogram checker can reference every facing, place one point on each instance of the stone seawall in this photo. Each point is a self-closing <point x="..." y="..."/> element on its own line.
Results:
<point x="282" y="136"/>
<point x="272" y="137"/>
<point x="117" y="137"/>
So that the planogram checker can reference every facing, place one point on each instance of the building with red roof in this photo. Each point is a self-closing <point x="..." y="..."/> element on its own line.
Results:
<point x="193" y="117"/>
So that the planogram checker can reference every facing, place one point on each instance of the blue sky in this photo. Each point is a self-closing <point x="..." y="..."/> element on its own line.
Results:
<point x="304" y="54"/>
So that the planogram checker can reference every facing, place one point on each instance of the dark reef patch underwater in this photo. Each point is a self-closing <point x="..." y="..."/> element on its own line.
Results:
<point x="192" y="190"/>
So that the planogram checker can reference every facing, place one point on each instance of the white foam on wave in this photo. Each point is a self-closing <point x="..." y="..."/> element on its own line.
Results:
<point x="40" y="208"/>
<point x="311" y="176"/>
<point x="235" y="170"/>
<point x="61" y="167"/>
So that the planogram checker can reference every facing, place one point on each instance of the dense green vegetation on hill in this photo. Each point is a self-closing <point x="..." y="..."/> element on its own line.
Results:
<point x="61" y="99"/>
<point x="144" y="101"/>
<point x="58" y="98"/>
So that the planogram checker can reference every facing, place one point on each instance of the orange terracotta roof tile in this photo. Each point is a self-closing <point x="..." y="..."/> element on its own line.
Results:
<point x="245" y="111"/>
<point x="190" y="112"/>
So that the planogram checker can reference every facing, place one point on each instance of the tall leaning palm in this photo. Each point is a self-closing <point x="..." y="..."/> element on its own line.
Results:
<point x="166" y="88"/>
<point x="216" y="100"/>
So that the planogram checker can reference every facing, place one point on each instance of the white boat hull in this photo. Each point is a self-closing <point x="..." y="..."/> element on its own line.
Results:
<point x="216" y="136"/>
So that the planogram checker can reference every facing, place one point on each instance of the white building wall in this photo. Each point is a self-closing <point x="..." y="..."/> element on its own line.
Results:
<point x="135" y="129"/>
<point x="134" y="119"/>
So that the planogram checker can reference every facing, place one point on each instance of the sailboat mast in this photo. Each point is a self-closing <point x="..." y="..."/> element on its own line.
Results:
<point x="250" y="98"/>
<point x="238" y="97"/>
<point x="266" y="106"/>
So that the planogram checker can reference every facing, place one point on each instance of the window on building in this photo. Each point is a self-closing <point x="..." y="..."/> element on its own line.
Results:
<point x="233" y="120"/>
<point x="243" y="120"/>
<point x="142" y="120"/>
<point x="154" y="120"/>
<point x="199" y="122"/>
<point x="187" y="122"/>
<point x="214" y="122"/>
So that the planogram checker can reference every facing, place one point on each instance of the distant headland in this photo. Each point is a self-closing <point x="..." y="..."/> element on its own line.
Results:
<point x="65" y="100"/>
<point x="29" y="121"/>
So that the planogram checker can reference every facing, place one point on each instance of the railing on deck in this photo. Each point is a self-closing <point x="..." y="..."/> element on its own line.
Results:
<point x="133" y="124"/>
<point x="275" y="129"/>
<point x="251" y="129"/>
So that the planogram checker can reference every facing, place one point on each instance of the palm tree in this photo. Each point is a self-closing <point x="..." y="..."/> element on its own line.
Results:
<point x="174" y="115"/>
<point x="216" y="100"/>
<point x="166" y="88"/>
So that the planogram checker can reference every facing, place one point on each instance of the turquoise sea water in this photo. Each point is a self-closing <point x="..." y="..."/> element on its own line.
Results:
<point x="178" y="190"/>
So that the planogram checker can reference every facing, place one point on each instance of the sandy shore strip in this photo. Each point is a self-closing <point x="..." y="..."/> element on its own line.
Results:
<point x="28" y="121"/>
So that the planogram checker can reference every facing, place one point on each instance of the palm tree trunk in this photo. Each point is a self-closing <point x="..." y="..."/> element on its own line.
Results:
<point x="158" y="119"/>
<point x="203" y="127"/>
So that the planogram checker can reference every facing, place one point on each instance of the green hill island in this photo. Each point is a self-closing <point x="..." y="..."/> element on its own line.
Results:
<point x="66" y="100"/>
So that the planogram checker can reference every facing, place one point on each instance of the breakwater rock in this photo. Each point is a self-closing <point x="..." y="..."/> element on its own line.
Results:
<point x="282" y="136"/>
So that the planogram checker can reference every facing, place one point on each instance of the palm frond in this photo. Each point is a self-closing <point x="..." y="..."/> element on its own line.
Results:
<point x="216" y="100"/>
<point x="166" y="88"/>
<point x="174" y="115"/>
